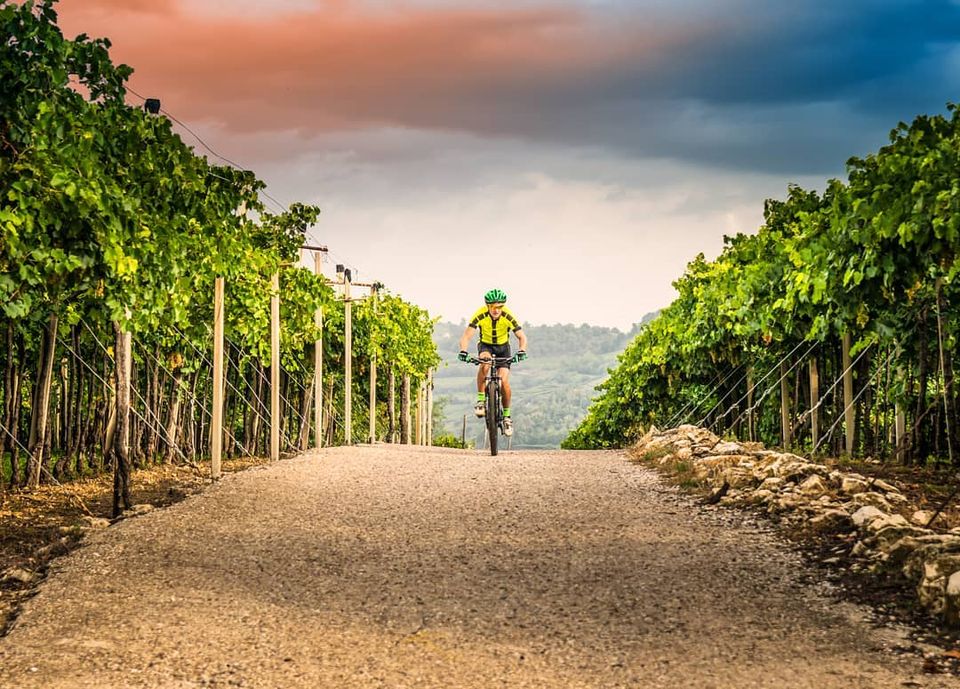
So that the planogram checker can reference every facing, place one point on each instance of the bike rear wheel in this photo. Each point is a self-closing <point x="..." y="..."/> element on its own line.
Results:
<point x="493" y="406"/>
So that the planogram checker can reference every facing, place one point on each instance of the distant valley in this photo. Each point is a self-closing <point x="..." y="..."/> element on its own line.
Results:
<point x="552" y="389"/>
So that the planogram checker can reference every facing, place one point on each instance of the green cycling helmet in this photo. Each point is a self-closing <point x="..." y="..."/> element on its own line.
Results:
<point x="495" y="296"/>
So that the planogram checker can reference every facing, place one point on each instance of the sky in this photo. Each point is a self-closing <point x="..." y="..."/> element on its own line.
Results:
<point x="574" y="153"/>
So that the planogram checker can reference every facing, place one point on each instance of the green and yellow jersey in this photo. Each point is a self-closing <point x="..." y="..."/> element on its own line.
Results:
<point x="495" y="332"/>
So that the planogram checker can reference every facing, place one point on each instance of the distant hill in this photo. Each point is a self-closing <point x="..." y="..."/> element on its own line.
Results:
<point x="552" y="389"/>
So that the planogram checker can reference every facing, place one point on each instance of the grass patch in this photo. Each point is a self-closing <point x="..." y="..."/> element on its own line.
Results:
<point x="653" y="454"/>
<point x="678" y="472"/>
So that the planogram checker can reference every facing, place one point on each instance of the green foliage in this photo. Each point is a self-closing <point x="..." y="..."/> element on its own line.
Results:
<point x="106" y="215"/>
<point x="449" y="440"/>
<point x="870" y="257"/>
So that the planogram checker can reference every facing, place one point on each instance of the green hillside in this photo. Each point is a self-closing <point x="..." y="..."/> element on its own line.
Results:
<point x="552" y="389"/>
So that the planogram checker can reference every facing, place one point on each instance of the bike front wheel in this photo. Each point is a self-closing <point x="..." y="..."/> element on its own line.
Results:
<point x="493" y="406"/>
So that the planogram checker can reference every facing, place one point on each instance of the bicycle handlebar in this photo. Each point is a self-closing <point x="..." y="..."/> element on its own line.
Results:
<point x="493" y="360"/>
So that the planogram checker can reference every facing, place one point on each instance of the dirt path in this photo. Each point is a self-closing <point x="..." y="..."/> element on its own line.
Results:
<point x="406" y="567"/>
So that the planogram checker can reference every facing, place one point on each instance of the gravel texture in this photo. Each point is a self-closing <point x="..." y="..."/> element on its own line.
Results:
<point x="412" y="567"/>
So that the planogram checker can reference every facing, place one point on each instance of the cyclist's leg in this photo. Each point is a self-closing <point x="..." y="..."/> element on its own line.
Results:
<point x="480" y="407"/>
<point x="505" y="386"/>
<point x="482" y="370"/>
<point x="504" y="374"/>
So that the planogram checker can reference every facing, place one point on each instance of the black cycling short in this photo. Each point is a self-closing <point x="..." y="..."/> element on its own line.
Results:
<point x="499" y="351"/>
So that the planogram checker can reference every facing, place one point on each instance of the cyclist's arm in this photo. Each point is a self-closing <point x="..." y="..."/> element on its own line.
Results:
<point x="466" y="337"/>
<point x="521" y="339"/>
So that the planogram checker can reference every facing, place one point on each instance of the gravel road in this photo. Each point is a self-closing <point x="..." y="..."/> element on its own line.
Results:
<point x="414" y="567"/>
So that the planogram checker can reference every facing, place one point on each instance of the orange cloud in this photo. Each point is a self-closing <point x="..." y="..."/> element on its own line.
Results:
<point x="335" y="66"/>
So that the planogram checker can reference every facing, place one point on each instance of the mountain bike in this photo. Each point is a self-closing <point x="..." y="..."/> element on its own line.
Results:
<point x="493" y="414"/>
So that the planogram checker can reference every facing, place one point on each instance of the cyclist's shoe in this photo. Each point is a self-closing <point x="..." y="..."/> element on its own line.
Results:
<point x="480" y="409"/>
<point x="508" y="426"/>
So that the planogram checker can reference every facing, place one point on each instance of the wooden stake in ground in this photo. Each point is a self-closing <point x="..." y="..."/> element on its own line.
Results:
<point x="900" y="429"/>
<point x="275" y="367"/>
<point x="849" y="413"/>
<point x="430" y="407"/>
<point x="750" y="421"/>
<point x="785" y="406"/>
<point x="318" y="362"/>
<point x="392" y="406"/>
<point x="943" y="375"/>
<point x="348" y="361"/>
<point x="405" y="426"/>
<point x="121" y="446"/>
<point x="216" y="426"/>
<point x="373" y="373"/>
<point x="41" y="398"/>
<point x="419" y="434"/>
<point x="814" y="400"/>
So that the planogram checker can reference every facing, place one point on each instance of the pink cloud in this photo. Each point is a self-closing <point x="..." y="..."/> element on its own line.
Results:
<point x="336" y="66"/>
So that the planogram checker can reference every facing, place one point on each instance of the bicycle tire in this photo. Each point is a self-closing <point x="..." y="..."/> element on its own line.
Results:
<point x="493" y="403"/>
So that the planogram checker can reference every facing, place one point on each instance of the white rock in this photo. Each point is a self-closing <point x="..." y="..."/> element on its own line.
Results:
<point x="831" y="520"/>
<point x="738" y="478"/>
<point x="889" y="536"/>
<point x="931" y="591"/>
<point x="931" y="549"/>
<point x="898" y="551"/>
<point x="786" y="503"/>
<point x="952" y="600"/>
<point x="727" y="448"/>
<point x="773" y="483"/>
<point x="21" y="575"/>
<point x="921" y="517"/>
<point x="885" y="487"/>
<point x="759" y="496"/>
<point x="872" y="499"/>
<point x="851" y="486"/>
<point x="865" y="515"/>
<point x="813" y="485"/>
<point x="96" y="522"/>
<point x="889" y="520"/>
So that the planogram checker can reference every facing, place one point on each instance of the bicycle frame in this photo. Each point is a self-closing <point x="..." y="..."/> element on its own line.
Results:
<point x="494" y="404"/>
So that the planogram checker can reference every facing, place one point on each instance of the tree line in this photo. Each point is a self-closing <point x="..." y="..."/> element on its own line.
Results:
<point x="112" y="232"/>
<point x="833" y="328"/>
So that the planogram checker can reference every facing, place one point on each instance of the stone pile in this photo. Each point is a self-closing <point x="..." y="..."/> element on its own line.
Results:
<point x="810" y="495"/>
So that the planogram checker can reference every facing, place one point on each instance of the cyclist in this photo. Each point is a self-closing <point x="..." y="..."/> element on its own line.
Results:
<point x="495" y="323"/>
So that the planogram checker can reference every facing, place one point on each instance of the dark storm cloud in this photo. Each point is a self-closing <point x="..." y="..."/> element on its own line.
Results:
<point x="779" y="87"/>
<point x="744" y="84"/>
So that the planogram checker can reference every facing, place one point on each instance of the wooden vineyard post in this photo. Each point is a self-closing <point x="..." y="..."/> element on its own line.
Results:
<point x="318" y="362"/>
<point x="216" y="425"/>
<point x="430" y="407"/>
<point x="405" y="429"/>
<point x="373" y="374"/>
<point x="814" y="400"/>
<point x="419" y="420"/>
<point x="849" y="416"/>
<point x="750" y="423"/>
<point x="347" y="361"/>
<point x="900" y="429"/>
<point x="392" y="405"/>
<point x="785" y="405"/>
<point x="123" y="364"/>
<point x="275" y="367"/>
<point x="943" y="374"/>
